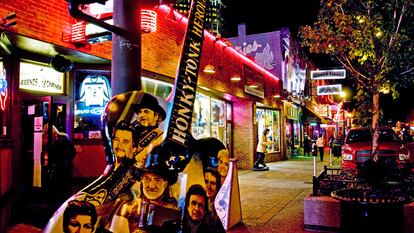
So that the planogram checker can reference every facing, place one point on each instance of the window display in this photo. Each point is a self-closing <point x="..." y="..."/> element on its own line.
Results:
<point x="92" y="93"/>
<point x="201" y="116"/>
<point x="156" y="87"/>
<point x="210" y="118"/>
<point x="270" y="119"/>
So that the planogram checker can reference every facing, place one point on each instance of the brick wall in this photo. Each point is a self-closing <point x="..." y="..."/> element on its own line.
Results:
<point x="243" y="134"/>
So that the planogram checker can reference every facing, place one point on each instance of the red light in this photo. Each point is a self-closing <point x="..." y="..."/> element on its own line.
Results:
<point x="3" y="98"/>
<point x="148" y="21"/>
<point x="78" y="32"/>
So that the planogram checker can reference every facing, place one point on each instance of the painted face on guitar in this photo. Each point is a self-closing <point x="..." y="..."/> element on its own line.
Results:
<point x="123" y="144"/>
<point x="80" y="224"/>
<point x="153" y="186"/>
<point x="211" y="184"/>
<point x="223" y="163"/>
<point x="147" y="117"/>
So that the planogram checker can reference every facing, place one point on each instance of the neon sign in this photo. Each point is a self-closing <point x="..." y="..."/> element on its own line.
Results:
<point x="94" y="91"/>
<point x="3" y="88"/>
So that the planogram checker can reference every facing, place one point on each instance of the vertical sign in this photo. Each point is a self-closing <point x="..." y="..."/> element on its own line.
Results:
<point x="179" y="126"/>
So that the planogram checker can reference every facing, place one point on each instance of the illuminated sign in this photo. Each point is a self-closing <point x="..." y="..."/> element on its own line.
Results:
<point x="83" y="32"/>
<point x="78" y="32"/>
<point x="94" y="91"/>
<point x="335" y="89"/>
<point x="40" y="78"/>
<point x="148" y="21"/>
<point x="3" y="87"/>
<point x="328" y="74"/>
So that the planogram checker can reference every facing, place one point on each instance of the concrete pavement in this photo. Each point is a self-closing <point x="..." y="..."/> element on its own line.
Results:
<point x="272" y="201"/>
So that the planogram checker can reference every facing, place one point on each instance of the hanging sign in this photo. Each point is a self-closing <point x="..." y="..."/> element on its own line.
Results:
<point x="328" y="74"/>
<point x="329" y="89"/>
<point x="40" y="78"/>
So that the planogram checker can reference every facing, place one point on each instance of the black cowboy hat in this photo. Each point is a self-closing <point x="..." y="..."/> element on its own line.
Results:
<point x="150" y="102"/>
<point x="157" y="163"/>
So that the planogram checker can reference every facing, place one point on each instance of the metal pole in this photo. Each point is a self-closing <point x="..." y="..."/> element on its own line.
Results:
<point x="314" y="166"/>
<point x="343" y="117"/>
<point x="330" y="156"/>
<point x="126" y="47"/>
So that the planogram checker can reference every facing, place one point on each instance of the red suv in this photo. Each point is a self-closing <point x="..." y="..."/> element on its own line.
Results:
<point x="358" y="143"/>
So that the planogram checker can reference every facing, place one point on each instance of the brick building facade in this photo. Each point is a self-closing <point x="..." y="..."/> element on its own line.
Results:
<point x="41" y="33"/>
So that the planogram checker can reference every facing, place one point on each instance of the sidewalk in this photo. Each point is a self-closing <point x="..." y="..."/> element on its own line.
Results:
<point x="272" y="201"/>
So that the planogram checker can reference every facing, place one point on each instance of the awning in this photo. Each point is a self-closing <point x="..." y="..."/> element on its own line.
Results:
<point x="310" y="116"/>
<point x="10" y="42"/>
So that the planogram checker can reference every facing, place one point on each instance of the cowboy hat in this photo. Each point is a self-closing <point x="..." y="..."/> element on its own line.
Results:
<point x="150" y="102"/>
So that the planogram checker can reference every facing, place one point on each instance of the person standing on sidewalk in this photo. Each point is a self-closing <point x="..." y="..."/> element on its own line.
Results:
<point x="306" y="145"/>
<point x="320" y="143"/>
<point x="261" y="149"/>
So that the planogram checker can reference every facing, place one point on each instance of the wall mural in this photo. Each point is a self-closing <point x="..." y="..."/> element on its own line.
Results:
<point x="262" y="54"/>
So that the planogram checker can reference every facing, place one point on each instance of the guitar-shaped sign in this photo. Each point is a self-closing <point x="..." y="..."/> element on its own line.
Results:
<point x="158" y="177"/>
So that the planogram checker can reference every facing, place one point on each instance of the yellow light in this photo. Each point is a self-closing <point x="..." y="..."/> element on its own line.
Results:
<point x="209" y="69"/>
<point x="235" y="78"/>
<point x="343" y="94"/>
<point x="378" y="34"/>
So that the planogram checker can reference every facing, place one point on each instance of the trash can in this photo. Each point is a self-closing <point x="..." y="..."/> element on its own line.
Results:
<point x="370" y="211"/>
<point x="337" y="148"/>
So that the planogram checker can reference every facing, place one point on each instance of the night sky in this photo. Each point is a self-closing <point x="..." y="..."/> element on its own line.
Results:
<point x="261" y="16"/>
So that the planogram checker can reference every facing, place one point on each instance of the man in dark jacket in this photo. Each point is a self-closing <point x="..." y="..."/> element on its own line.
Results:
<point x="61" y="155"/>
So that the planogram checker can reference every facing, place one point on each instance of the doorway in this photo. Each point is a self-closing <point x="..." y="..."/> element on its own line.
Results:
<point x="36" y="113"/>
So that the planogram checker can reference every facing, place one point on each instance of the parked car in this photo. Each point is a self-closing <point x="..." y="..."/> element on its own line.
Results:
<point x="358" y="144"/>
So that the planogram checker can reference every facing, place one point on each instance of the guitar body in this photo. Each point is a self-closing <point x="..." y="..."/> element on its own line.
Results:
<point x="158" y="177"/>
<point x="117" y="201"/>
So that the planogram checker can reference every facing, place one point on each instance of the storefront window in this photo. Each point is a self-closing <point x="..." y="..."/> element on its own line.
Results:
<point x="269" y="119"/>
<point x="92" y="93"/>
<point x="210" y="118"/>
<point x="201" y="116"/>
<point x="4" y="100"/>
<point x="218" y="119"/>
<point x="156" y="87"/>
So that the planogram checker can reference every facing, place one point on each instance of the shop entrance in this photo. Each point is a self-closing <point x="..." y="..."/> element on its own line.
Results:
<point x="36" y="113"/>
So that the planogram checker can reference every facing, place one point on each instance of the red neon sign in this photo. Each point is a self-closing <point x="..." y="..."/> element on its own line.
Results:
<point x="78" y="32"/>
<point x="3" y="90"/>
<point x="148" y="21"/>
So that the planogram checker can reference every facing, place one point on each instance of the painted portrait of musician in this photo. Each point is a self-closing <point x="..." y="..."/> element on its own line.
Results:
<point x="141" y="189"/>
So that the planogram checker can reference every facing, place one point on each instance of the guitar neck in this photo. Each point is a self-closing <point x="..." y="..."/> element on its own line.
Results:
<point x="179" y="127"/>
